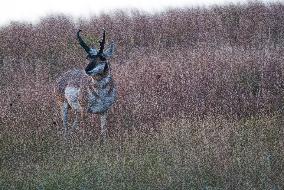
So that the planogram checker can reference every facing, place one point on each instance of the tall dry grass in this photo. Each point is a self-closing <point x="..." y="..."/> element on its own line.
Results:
<point x="200" y="102"/>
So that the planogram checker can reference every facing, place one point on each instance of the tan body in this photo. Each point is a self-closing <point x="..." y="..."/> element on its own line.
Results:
<point x="76" y="79"/>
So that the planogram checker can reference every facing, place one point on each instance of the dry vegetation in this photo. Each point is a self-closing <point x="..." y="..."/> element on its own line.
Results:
<point x="200" y="102"/>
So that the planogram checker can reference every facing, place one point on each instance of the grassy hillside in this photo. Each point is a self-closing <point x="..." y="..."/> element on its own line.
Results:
<point x="200" y="101"/>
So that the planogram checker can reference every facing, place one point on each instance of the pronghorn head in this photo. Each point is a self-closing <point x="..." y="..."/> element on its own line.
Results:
<point x="98" y="64"/>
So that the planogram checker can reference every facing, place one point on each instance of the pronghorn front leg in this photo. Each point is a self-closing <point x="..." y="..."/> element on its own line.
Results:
<point x="103" y="117"/>
<point x="78" y="114"/>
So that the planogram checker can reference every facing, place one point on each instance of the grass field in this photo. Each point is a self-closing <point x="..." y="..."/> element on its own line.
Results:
<point x="214" y="153"/>
<point x="158" y="142"/>
<point x="200" y="103"/>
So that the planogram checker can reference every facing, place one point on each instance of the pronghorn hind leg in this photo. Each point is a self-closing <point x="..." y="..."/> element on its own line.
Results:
<point x="64" y="110"/>
<point x="75" y="123"/>
<point x="72" y="95"/>
<point x="103" y="118"/>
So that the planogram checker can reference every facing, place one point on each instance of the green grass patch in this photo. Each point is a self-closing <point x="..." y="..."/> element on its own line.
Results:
<point x="186" y="154"/>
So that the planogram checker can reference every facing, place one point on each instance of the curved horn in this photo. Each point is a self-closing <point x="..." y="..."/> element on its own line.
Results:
<point x="82" y="43"/>
<point x="102" y="42"/>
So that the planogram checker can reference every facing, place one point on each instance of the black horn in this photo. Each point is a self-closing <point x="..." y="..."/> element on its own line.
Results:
<point x="82" y="43"/>
<point x="102" y="42"/>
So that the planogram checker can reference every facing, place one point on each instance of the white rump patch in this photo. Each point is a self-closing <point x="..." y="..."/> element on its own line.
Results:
<point x="72" y="96"/>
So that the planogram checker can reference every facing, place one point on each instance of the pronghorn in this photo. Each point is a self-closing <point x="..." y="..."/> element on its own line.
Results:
<point x="88" y="91"/>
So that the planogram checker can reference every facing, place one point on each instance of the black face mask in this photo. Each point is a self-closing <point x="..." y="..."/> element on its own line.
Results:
<point x="95" y="60"/>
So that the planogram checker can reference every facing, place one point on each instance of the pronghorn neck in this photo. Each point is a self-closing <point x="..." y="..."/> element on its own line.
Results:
<point x="102" y="96"/>
<point x="102" y="82"/>
<point x="100" y="78"/>
<point x="102" y="75"/>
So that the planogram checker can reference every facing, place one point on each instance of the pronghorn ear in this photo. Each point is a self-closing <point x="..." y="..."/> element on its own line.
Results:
<point x="109" y="52"/>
